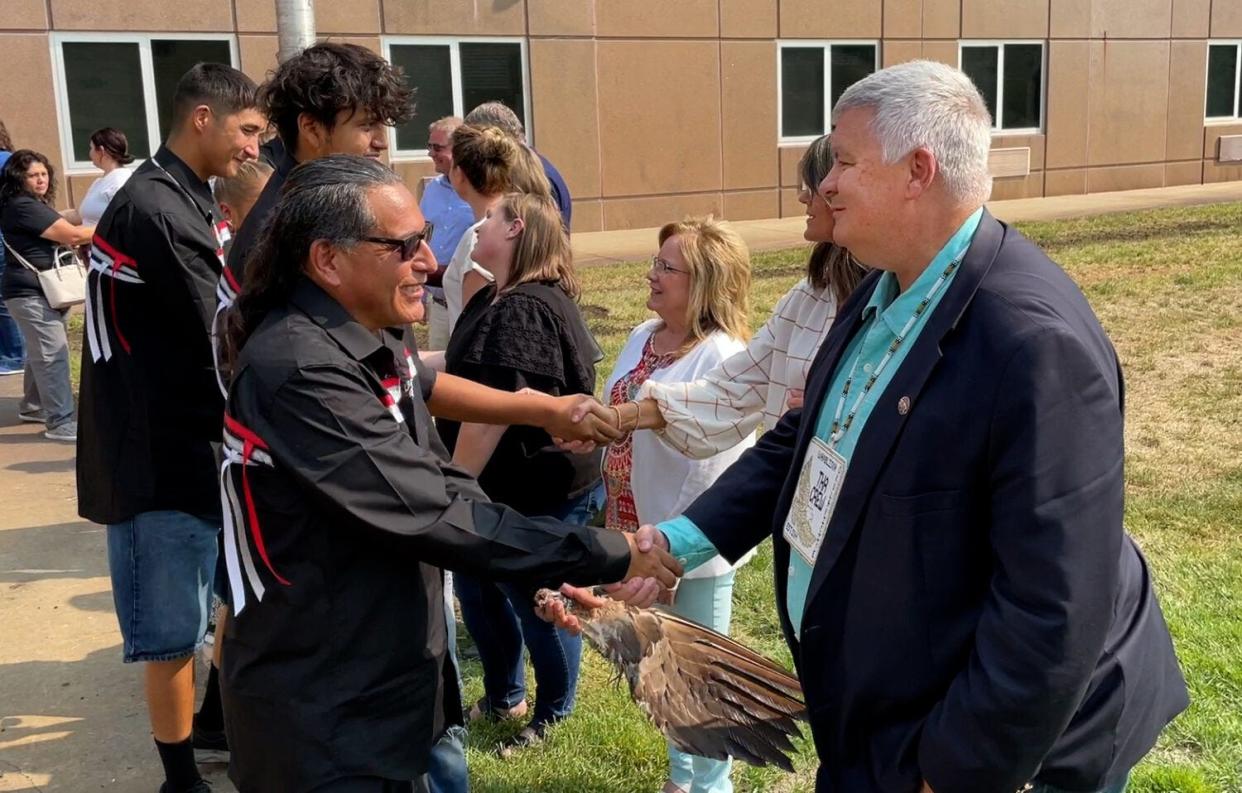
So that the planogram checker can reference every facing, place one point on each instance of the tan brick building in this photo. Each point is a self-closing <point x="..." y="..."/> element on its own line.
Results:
<point x="656" y="108"/>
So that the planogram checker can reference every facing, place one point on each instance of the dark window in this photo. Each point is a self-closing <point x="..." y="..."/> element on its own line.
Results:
<point x="103" y="81"/>
<point x="491" y="71"/>
<point x="802" y="91"/>
<point x="428" y="69"/>
<point x="1024" y="66"/>
<point x="981" y="64"/>
<point x="850" y="63"/>
<point x="1221" y="79"/>
<point x="172" y="58"/>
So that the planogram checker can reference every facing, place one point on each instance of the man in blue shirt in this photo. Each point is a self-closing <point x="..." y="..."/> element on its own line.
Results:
<point x="451" y="215"/>
<point x="964" y="607"/>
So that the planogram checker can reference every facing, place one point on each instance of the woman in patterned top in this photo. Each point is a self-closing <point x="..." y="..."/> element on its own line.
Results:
<point x="700" y="284"/>
<point x="718" y="409"/>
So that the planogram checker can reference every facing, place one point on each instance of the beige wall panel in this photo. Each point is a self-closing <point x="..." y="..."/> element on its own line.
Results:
<point x="346" y="16"/>
<point x="1226" y="20"/>
<point x="1229" y="148"/>
<point x="1214" y="172"/>
<point x="1125" y="177"/>
<point x="1069" y="19"/>
<point x="789" y="157"/>
<point x="1005" y="19"/>
<point x="1072" y="181"/>
<point x="455" y="17"/>
<point x="28" y="110"/>
<point x="1029" y="186"/>
<point x="941" y="52"/>
<point x="588" y="215"/>
<point x="1187" y="87"/>
<point x="1212" y="134"/>
<point x="257" y="54"/>
<point x="641" y="213"/>
<point x="903" y="19"/>
<point x="942" y="19"/>
<point x="258" y="16"/>
<point x="1010" y="162"/>
<point x="743" y="19"/>
<point x="662" y="146"/>
<point x="561" y="17"/>
<point x="413" y="173"/>
<point x="1067" y="103"/>
<point x="1128" y="92"/>
<point x="135" y="15"/>
<point x="790" y="205"/>
<point x="684" y="18"/>
<point x="1036" y="143"/>
<point x="752" y="205"/>
<point x="1131" y="19"/>
<point x="828" y="19"/>
<point x="566" y="126"/>
<point x="1179" y="173"/>
<point x="25" y="14"/>
<point x="1192" y="19"/>
<point x="748" y="113"/>
<point x="894" y="52"/>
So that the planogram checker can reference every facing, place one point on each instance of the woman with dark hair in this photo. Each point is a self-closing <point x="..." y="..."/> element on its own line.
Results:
<point x="32" y="229"/>
<point x="12" y="353"/>
<point x="110" y="154"/>
<point x="757" y="385"/>
<point x="523" y="331"/>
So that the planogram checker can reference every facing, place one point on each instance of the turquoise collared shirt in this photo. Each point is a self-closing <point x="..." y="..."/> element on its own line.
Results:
<point x="884" y="317"/>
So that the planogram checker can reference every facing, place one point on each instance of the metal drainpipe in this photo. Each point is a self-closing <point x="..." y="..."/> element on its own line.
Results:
<point x="295" y="26"/>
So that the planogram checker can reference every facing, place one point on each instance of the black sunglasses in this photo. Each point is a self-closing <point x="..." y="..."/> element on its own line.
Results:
<point x="408" y="246"/>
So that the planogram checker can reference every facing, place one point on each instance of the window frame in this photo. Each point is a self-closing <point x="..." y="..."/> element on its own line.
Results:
<point x="75" y="167"/>
<point x="454" y="44"/>
<point x="997" y="129"/>
<point x="1236" y="118"/>
<point x="826" y="45"/>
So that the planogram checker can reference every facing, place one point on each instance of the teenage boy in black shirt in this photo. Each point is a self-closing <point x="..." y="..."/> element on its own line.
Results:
<point x="150" y="407"/>
<point x="342" y="503"/>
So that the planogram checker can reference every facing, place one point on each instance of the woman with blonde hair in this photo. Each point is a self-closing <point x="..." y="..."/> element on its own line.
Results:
<point x="523" y="331"/>
<point x="487" y="164"/>
<point x="699" y="289"/>
<point x="720" y="408"/>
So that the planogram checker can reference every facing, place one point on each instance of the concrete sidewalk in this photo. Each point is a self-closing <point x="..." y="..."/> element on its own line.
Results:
<point x="72" y="715"/>
<point x="602" y="247"/>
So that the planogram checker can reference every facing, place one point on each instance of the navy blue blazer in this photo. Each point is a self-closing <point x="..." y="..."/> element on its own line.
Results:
<point x="977" y="616"/>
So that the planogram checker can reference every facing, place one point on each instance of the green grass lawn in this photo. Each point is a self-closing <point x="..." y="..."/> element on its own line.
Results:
<point x="1167" y="285"/>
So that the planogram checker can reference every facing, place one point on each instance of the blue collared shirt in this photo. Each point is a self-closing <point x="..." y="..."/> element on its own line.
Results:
<point x="885" y="315"/>
<point x="451" y="215"/>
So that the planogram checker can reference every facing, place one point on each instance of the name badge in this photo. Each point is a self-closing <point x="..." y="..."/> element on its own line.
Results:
<point x="815" y="499"/>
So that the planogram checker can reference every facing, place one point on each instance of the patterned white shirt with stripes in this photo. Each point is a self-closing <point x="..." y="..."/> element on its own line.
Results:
<point x="726" y="405"/>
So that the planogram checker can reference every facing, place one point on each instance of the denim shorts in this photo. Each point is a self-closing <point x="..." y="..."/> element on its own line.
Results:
<point x="162" y="566"/>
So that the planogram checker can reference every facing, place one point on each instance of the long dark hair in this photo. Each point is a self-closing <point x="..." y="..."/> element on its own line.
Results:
<point x="829" y="263"/>
<point x="13" y="177"/>
<point x="112" y="142"/>
<point x="6" y="143"/>
<point x="323" y="199"/>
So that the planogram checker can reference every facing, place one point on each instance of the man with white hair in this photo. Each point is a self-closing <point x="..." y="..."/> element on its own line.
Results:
<point x="965" y="610"/>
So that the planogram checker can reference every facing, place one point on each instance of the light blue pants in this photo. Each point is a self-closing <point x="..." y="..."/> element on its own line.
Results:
<point x="708" y="601"/>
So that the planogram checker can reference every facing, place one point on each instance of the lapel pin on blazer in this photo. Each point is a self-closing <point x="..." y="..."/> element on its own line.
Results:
<point x="903" y="405"/>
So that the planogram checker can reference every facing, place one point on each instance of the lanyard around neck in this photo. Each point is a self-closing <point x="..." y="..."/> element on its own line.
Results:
<point x="839" y="427"/>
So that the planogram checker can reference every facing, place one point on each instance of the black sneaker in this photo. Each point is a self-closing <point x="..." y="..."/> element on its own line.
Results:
<point x="201" y="786"/>
<point x="210" y="746"/>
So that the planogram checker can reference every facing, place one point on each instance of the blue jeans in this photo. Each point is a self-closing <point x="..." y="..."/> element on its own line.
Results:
<point x="162" y="566"/>
<point x="12" y="351"/>
<point x="446" y="769"/>
<point x="707" y="601"/>
<point x="501" y="618"/>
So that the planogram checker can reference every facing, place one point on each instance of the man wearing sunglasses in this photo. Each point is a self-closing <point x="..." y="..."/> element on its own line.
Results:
<point x="344" y="507"/>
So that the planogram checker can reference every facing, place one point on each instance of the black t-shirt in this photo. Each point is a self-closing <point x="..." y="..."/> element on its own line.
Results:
<point x="22" y="219"/>
<point x="532" y="337"/>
